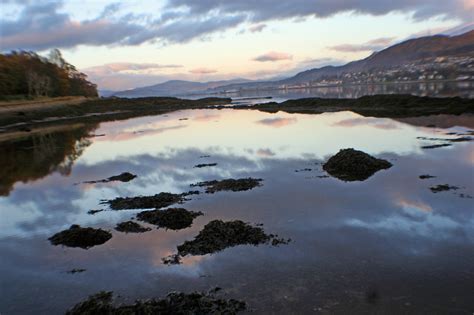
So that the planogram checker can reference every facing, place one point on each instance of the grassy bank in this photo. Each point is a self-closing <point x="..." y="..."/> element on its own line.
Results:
<point x="27" y="116"/>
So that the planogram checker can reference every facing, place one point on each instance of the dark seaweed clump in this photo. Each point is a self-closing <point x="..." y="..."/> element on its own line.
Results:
<point x="218" y="235"/>
<point x="426" y="176"/>
<point x="157" y="201"/>
<point x="241" y="184"/>
<point x="76" y="270"/>
<point x="174" y="303"/>
<point x="124" y="177"/>
<point x="94" y="211"/>
<point x="131" y="227"/>
<point x="434" y="146"/>
<point x="354" y="165"/>
<point x="440" y="188"/>
<point x="205" y="165"/>
<point x="173" y="218"/>
<point x="77" y="236"/>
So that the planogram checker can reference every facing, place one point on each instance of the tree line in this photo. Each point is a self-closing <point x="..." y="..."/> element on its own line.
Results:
<point x="26" y="74"/>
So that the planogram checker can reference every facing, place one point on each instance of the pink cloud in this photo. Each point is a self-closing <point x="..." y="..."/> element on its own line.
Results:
<point x="203" y="71"/>
<point x="273" y="56"/>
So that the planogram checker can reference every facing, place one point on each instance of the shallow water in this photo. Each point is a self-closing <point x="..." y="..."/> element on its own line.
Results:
<point x="387" y="244"/>
<point x="434" y="89"/>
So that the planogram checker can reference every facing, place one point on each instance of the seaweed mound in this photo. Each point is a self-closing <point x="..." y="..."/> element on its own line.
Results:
<point x="173" y="218"/>
<point x="218" y="235"/>
<point x="160" y="200"/>
<point x="229" y="184"/>
<point x="124" y="177"/>
<point x="444" y="187"/>
<point x="77" y="236"/>
<point x="354" y="165"/>
<point x="174" y="303"/>
<point x="131" y="227"/>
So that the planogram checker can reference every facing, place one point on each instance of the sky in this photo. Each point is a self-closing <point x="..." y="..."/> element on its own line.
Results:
<point x="127" y="44"/>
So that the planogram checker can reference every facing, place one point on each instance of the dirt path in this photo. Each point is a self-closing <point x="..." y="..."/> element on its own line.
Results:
<point x="29" y="105"/>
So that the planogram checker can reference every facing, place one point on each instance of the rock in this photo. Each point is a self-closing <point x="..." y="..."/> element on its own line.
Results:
<point x="218" y="235"/>
<point x="434" y="146"/>
<point x="77" y="236"/>
<point x="205" y="165"/>
<point x="157" y="201"/>
<point x="354" y="165"/>
<point x="426" y="176"/>
<point x="131" y="227"/>
<point x="440" y="188"/>
<point x="173" y="218"/>
<point x="124" y="177"/>
<point x="174" y="303"/>
<point x="229" y="184"/>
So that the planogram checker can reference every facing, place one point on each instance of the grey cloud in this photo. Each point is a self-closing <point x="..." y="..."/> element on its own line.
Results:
<point x="41" y="25"/>
<point x="264" y="10"/>
<point x="273" y="56"/>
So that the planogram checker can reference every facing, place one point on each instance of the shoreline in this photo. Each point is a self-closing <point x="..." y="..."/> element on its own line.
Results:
<point x="16" y="121"/>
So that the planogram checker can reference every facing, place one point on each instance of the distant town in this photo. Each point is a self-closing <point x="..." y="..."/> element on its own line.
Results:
<point x="448" y="68"/>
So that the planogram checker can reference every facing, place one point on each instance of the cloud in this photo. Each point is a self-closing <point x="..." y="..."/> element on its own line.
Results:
<point x="113" y="68"/>
<point x="372" y="45"/>
<point x="273" y="56"/>
<point x="378" y="123"/>
<point x="257" y="28"/>
<point x="42" y="25"/>
<point x="277" y="122"/>
<point x="265" y="10"/>
<point x="203" y="71"/>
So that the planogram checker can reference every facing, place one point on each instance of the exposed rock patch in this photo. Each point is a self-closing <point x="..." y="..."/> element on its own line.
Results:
<point x="76" y="270"/>
<point x="241" y="184"/>
<point x="218" y="235"/>
<point x="77" y="236"/>
<point x="157" y="201"/>
<point x="94" y="211"/>
<point x="174" y="303"/>
<point x="426" y="176"/>
<point x="131" y="227"/>
<point x="173" y="218"/>
<point x="445" y="187"/>
<point x="434" y="146"/>
<point x="205" y="165"/>
<point x="354" y="165"/>
<point x="124" y="177"/>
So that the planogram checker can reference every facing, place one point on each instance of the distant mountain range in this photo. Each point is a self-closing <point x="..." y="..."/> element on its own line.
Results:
<point x="176" y="88"/>
<point x="438" y="57"/>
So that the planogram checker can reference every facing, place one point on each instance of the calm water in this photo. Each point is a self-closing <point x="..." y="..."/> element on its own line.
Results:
<point x="434" y="89"/>
<point x="389" y="235"/>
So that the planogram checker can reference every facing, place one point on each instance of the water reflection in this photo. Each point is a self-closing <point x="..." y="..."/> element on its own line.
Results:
<point x="433" y="89"/>
<point x="389" y="232"/>
<point x="34" y="157"/>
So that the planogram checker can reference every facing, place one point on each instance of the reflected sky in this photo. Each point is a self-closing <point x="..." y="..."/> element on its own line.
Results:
<point x="389" y="233"/>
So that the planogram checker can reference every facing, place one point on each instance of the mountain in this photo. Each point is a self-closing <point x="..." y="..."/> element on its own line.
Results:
<point x="176" y="88"/>
<point x="438" y="57"/>
<point x="414" y="54"/>
<point x="459" y="30"/>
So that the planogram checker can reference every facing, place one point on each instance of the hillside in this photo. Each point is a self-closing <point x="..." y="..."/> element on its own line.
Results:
<point x="175" y="88"/>
<point x="422" y="51"/>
